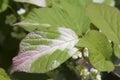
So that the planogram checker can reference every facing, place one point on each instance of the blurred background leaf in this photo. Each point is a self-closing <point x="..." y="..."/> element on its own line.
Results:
<point x="3" y="5"/>
<point x="3" y="75"/>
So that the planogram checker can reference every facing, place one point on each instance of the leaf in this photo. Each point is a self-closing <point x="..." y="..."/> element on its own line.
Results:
<point x="67" y="14"/>
<point x="81" y="2"/>
<point x="40" y="3"/>
<point x="42" y="51"/>
<point x="117" y="50"/>
<point x="108" y="2"/>
<point x="3" y="75"/>
<point x="3" y="5"/>
<point x="72" y="2"/>
<point x="107" y="19"/>
<point x="100" y="50"/>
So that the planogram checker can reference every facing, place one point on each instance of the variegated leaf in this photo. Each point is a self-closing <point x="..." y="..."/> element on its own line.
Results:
<point x="42" y="51"/>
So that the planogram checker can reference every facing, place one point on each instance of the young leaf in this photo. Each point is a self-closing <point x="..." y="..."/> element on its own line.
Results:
<point x="42" y="51"/>
<point x="107" y="19"/>
<point x="3" y="75"/>
<point x="3" y="5"/>
<point x="70" y="15"/>
<point x="41" y="3"/>
<point x="100" y="50"/>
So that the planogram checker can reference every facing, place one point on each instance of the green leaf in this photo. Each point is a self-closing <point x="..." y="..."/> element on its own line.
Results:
<point x="107" y="19"/>
<point x="63" y="14"/>
<point x="117" y="50"/>
<point x="72" y="2"/>
<point x="40" y="3"/>
<point x="110" y="2"/>
<point x="3" y="5"/>
<point x="3" y="75"/>
<point x="45" y="50"/>
<point x="100" y="50"/>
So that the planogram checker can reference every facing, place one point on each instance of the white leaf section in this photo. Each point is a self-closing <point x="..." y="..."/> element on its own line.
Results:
<point x="98" y="1"/>
<point x="67" y="41"/>
<point x="33" y="24"/>
<point x="109" y="2"/>
<point x="21" y="11"/>
<point x="41" y="3"/>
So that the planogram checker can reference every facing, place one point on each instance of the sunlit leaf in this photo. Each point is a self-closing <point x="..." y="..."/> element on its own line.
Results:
<point x="107" y="19"/>
<point x="99" y="49"/>
<point x="3" y="75"/>
<point x="68" y="14"/>
<point x="42" y="51"/>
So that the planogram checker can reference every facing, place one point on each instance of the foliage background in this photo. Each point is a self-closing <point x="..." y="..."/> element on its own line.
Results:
<point x="9" y="48"/>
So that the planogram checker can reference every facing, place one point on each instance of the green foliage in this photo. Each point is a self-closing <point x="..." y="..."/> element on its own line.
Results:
<point x="3" y="75"/>
<point x="117" y="50"/>
<point x="49" y="62"/>
<point x="106" y="18"/>
<point x="100" y="50"/>
<point x="62" y="14"/>
<point x="66" y="39"/>
<point x="48" y="48"/>
<point x="109" y="2"/>
<point x="3" y="5"/>
<point x="40" y="3"/>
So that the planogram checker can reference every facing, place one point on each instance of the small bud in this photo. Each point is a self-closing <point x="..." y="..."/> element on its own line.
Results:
<point x="85" y="72"/>
<point x="119" y="45"/>
<point x="109" y="41"/>
<point x="100" y="30"/>
<point x="80" y="55"/>
<point x="85" y="52"/>
<point x="75" y="57"/>
<point x="21" y="11"/>
<point x="94" y="70"/>
<point x="98" y="77"/>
